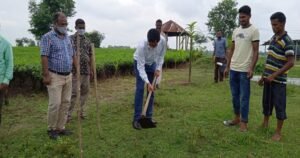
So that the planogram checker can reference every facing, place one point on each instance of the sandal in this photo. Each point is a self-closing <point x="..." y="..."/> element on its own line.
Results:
<point x="229" y="123"/>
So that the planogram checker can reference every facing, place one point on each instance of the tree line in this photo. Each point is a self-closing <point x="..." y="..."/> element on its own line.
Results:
<point x="223" y="17"/>
<point x="41" y="20"/>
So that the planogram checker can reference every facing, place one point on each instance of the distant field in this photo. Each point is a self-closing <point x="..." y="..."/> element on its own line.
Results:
<point x="109" y="62"/>
<point x="31" y="55"/>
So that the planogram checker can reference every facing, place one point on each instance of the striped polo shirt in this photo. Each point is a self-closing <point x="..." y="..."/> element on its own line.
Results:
<point x="278" y="52"/>
<point x="59" y="51"/>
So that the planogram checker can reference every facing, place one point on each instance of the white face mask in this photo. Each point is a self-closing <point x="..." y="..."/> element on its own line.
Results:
<point x="62" y="30"/>
<point x="81" y="31"/>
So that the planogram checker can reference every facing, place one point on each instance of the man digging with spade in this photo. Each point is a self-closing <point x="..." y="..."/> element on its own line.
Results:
<point x="147" y="63"/>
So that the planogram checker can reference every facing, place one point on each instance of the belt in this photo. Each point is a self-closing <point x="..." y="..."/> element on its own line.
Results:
<point x="60" y="73"/>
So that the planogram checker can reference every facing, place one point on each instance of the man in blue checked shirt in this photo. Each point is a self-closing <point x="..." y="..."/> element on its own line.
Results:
<point x="57" y="56"/>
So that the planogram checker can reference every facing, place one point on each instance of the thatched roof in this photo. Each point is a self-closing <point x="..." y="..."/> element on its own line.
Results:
<point x="171" y="28"/>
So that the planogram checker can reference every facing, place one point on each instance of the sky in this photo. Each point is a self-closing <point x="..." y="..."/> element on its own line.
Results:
<point x="126" y="22"/>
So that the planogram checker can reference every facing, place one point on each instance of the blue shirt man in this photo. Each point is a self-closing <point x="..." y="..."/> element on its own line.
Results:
<point x="59" y="51"/>
<point x="57" y="57"/>
<point x="220" y="46"/>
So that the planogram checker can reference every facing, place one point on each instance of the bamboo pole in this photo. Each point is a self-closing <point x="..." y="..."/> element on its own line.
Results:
<point x="95" y="86"/>
<point x="78" y="93"/>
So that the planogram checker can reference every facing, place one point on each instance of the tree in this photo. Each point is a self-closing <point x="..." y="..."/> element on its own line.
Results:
<point x="95" y="37"/>
<point x="191" y="29"/>
<point x="21" y="42"/>
<point x="223" y="18"/>
<point x="200" y="38"/>
<point x="31" y="43"/>
<point x="41" y="14"/>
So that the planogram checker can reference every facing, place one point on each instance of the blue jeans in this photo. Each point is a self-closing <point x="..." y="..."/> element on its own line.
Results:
<point x="139" y="92"/>
<point x="240" y="91"/>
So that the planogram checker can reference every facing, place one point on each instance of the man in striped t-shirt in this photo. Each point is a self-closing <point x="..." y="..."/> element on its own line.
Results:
<point x="280" y="59"/>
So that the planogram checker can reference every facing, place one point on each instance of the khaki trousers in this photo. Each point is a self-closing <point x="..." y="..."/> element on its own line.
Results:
<point x="84" y="92"/>
<point x="59" y="91"/>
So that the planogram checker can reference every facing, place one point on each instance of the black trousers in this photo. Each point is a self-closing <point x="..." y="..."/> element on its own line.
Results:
<point x="1" y="103"/>
<point x="274" y="95"/>
<point x="219" y="69"/>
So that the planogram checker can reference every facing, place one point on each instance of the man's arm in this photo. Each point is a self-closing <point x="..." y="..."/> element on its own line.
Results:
<point x="255" y="46"/>
<point x="141" y="63"/>
<point x="8" y="57"/>
<point x="226" y="45"/>
<point x="289" y="64"/>
<point x="75" y="62"/>
<point x="214" y="52"/>
<point x="229" y="56"/>
<point x="45" y="52"/>
<point x="45" y="69"/>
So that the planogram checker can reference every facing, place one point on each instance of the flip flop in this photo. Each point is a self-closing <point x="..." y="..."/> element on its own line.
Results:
<point x="229" y="123"/>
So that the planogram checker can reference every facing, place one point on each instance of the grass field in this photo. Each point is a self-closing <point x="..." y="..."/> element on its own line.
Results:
<point x="31" y="55"/>
<point x="189" y="122"/>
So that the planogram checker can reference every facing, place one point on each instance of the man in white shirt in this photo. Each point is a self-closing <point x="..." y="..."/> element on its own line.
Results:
<point x="241" y="63"/>
<point x="162" y="46"/>
<point x="147" y="63"/>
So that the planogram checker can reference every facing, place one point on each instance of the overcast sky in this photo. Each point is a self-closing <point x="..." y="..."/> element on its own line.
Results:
<point x="125" y="22"/>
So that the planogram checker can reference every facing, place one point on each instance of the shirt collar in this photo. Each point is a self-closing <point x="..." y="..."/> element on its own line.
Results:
<point x="280" y="38"/>
<point x="150" y="48"/>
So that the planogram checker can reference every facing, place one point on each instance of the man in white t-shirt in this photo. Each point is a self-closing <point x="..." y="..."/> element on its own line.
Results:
<point x="241" y="63"/>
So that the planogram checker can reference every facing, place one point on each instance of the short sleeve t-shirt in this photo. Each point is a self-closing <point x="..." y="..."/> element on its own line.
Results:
<point x="278" y="52"/>
<point x="243" y="52"/>
<point x="220" y="47"/>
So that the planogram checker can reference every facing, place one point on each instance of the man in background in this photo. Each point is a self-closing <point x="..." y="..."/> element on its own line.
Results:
<point x="85" y="68"/>
<point x="162" y="47"/>
<point x="219" y="56"/>
<point x="6" y="69"/>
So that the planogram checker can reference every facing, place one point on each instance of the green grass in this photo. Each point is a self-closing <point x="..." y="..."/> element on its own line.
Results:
<point x="295" y="71"/>
<point x="189" y="122"/>
<point x="31" y="55"/>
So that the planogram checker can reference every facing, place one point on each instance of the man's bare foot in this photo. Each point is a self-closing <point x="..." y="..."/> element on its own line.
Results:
<point x="243" y="127"/>
<point x="276" y="137"/>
